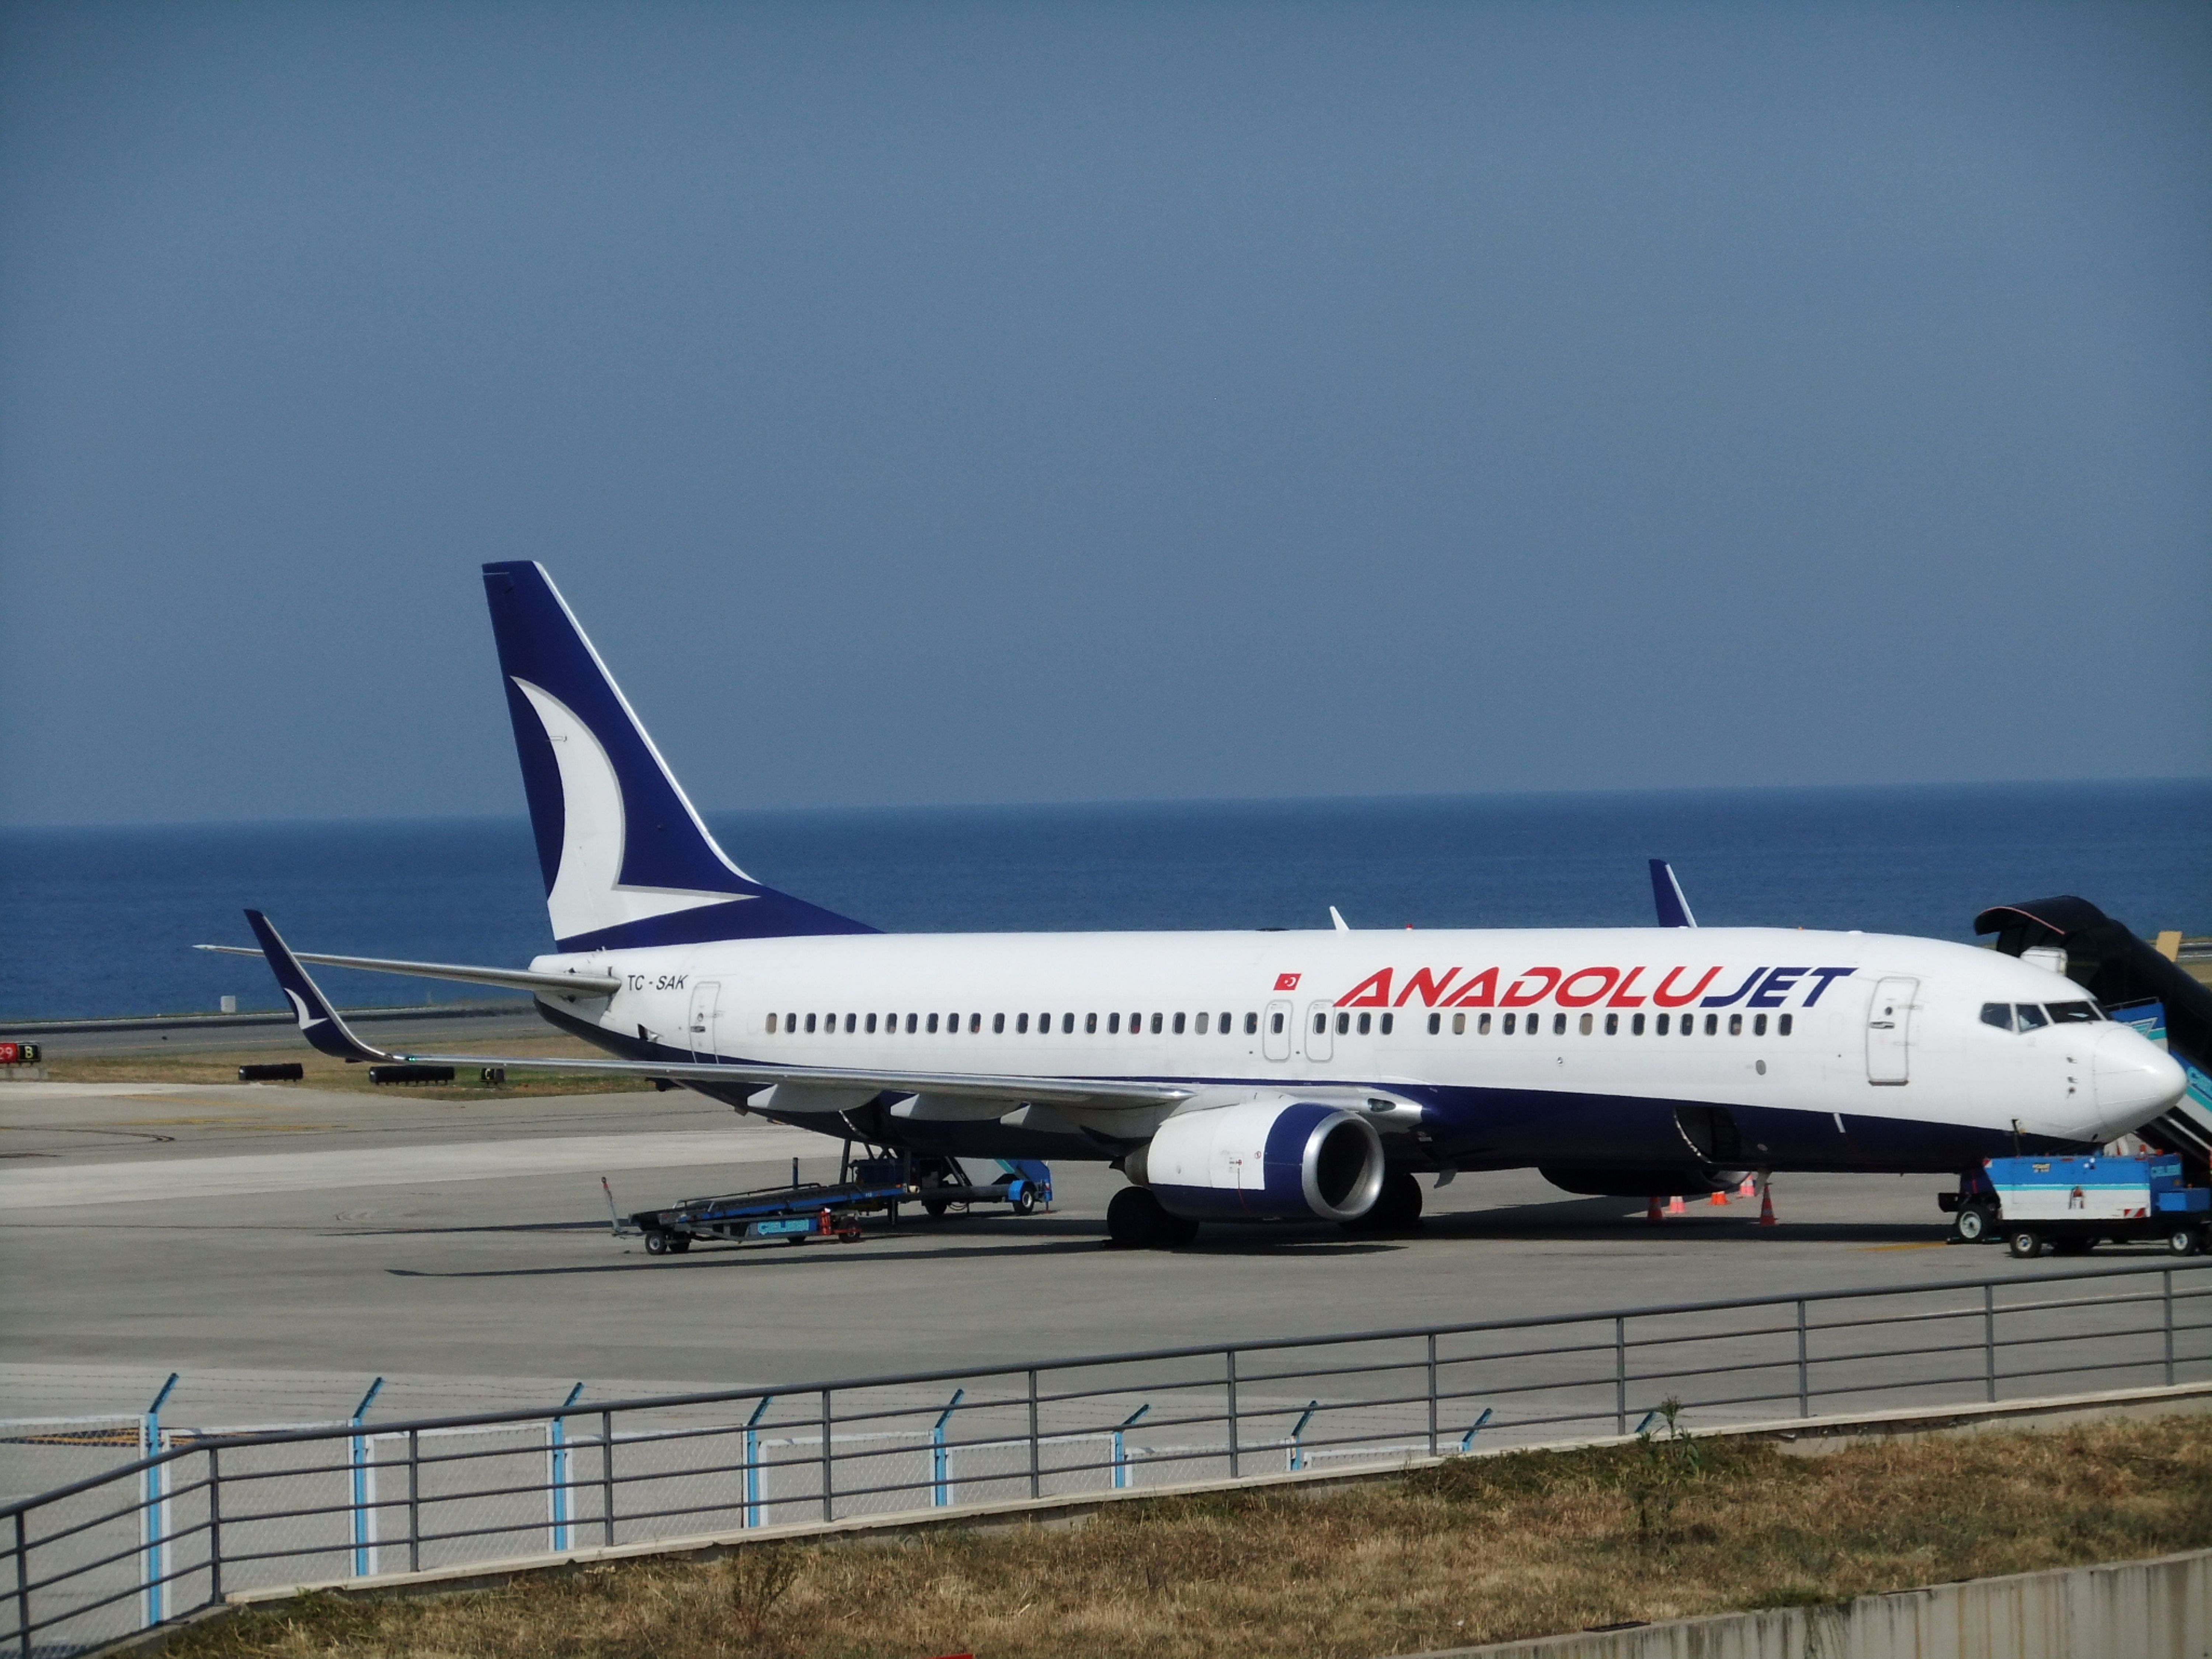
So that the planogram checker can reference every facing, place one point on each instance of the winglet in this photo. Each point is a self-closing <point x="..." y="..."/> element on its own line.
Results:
<point x="1666" y="894"/>
<point x="319" y="1022"/>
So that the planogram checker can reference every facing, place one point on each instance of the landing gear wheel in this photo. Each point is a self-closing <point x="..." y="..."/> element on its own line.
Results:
<point x="2024" y="1243"/>
<point x="1135" y="1221"/>
<point x="1397" y="1207"/>
<point x="2182" y="1241"/>
<point x="1973" y="1225"/>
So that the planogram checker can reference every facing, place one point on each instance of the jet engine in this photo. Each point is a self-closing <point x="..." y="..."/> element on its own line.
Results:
<point x="1265" y="1158"/>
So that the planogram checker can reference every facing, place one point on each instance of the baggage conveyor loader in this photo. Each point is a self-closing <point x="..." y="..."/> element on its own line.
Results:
<point x="805" y="1210"/>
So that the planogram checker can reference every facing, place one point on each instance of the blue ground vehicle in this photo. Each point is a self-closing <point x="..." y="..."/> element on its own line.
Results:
<point x="2075" y="1204"/>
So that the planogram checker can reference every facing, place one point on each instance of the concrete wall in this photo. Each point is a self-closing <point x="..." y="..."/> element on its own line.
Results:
<point x="2158" y="1609"/>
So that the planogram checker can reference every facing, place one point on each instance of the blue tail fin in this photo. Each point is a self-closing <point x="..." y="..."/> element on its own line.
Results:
<point x="626" y="858"/>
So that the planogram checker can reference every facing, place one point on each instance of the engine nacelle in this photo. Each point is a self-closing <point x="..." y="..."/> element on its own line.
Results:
<point x="1271" y="1157"/>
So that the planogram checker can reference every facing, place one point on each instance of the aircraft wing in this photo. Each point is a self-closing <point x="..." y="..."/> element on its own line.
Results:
<point x="321" y="1023"/>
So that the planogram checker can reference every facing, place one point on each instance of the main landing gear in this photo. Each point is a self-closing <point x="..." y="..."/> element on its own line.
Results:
<point x="1136" y="1221"/>
<point x="1397" y="1207"/>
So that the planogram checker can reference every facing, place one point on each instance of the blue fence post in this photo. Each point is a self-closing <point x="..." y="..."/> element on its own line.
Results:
<point x="556" y="1435"/>
<point x="1121" y="1451"/>
<point x="752" y="1461"/>
<point x="150" y="1527"/>
<point x="1297" y="1431"/>
<point x="940" y="1465"/>
<point x="1466" y="1440"/>
<point x="364" y="1541"/>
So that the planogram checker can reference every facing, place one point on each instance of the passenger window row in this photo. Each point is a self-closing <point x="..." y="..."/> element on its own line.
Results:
<point x="1367" y="1024"/>
<point x="1533" y="1024"/>
<point x="1223" y="1024"/>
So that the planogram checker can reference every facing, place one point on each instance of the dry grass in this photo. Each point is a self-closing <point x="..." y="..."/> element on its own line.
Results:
<point x="323" y="1072"/>
<point x="1480" y="1550"/>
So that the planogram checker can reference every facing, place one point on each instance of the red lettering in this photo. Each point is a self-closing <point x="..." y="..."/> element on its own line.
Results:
<point x="1570" y="998"/>
<point x="1429" y="988"/>
<point x="1513" y="999"/>
<point x="1480" y="992"/>
<point x="1620" y="998"/>
<point x="1374" y="991"/>
<point x="1664" y="1000"/>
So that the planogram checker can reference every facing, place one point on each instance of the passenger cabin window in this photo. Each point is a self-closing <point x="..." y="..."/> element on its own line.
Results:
<point x="1636" y="1025"/>
<point x="909" y="1024"/>
<point x="1343" y="1024"/>
<point x="1275" y="1025"/>
<point x="1223" y="1027"/>
<point x="810" y="1025"/>
<point x="1998" y="1014"/>
<point x="1252" y="1024"/>
<point x="1113" y="1025"/>
<point x="1178" y="1024"/>
<point x="1782" y="1026"/>
<point x="771" y="1024"/>
<point x="1201" y="1025"/>
<point x="2031" y="1018"/>
<point x="1156" y="1024"/>
<point x="1735" y="1025"/>
<point x="1587" y="1024"/>
<point x="1613" y="1024"/>
<point x="1067" y="1025"/>
<point x="1090" y="1025"/>
<point x="1712" y="1024"/>
<point x="1659" y="1027"/>
<point x="1759" y="1025"/>
<point x="932" y="1025"/>
<point x="1508" y="1027"/>
<point x="1559" y="1025"/>
<point x="975" y="1023"/>
<point x="1389" y="1020"/>
<point x="1437" y="1022"/>
<point x="1482" y="1026"/>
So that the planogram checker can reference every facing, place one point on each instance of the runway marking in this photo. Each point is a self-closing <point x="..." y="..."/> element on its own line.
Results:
<point x="403" y="1166"/>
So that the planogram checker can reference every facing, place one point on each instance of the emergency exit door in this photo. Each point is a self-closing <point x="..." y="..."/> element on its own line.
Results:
<point x="1275" y="1032"/>
<point x="1889" y="1030"/>
<point x="1319" y="1043"/>
<point x="705" y="1013"/>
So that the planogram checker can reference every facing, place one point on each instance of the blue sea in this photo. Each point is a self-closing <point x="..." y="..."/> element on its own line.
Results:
<point x="101" y="921"/>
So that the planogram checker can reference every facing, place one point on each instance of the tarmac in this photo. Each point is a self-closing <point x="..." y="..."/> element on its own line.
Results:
<point x="280" y="1245"/>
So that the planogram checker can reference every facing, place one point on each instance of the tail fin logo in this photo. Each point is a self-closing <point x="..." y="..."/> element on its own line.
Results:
<point x="588" y="893"/>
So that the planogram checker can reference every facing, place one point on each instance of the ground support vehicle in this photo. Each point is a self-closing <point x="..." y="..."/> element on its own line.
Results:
<point x="810" y="1209"/>
<point x="1023" y="1185"/>
<point x="2075" y="1204"/>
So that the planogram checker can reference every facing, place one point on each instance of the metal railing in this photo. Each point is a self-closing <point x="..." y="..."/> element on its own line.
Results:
<point x="214" y="1512"/>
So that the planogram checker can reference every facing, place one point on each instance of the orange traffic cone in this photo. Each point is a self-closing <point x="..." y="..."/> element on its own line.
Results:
<point x="1767" y="1204"/>
<point x="1675" y="1206"/>
<point x="1719" y="1199"/>
<point x="1749" y="1189"/>
<point x="1651" y="1209"/>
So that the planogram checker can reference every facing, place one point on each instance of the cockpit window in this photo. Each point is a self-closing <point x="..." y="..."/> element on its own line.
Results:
<point x="2031" y="1018"/>
<point x="1998" y="1014"/>
<point x="2073" y="1013"/>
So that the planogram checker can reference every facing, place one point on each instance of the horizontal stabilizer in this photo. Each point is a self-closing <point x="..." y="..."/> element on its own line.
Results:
<point x="514" y="979"/>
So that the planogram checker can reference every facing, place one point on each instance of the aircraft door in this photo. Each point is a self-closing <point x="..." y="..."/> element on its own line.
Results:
<point x="1320" y="1044"/>
<point x="706" y="1013"/>
<point x="1889" y="1030"/>
<point x="1276" y="1029"/>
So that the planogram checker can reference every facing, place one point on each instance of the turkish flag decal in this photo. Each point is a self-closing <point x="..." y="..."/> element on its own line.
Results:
<point x="1286" y="982"/>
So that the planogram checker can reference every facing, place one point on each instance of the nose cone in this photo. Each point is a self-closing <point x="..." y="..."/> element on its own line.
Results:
<point x="2135" y="1080"/>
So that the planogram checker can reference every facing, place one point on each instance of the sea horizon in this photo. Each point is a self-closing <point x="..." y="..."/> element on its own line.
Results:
<point x="98" y="919"/>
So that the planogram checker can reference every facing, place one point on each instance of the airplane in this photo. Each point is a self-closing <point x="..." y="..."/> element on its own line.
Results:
<point x="1262" y="1075"/>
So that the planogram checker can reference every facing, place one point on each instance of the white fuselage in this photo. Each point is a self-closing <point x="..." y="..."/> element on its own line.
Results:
<point x="1504" y="1047"/>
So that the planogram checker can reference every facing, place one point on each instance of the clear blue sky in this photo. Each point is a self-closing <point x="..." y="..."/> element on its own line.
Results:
<point x="971" y="404"/>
